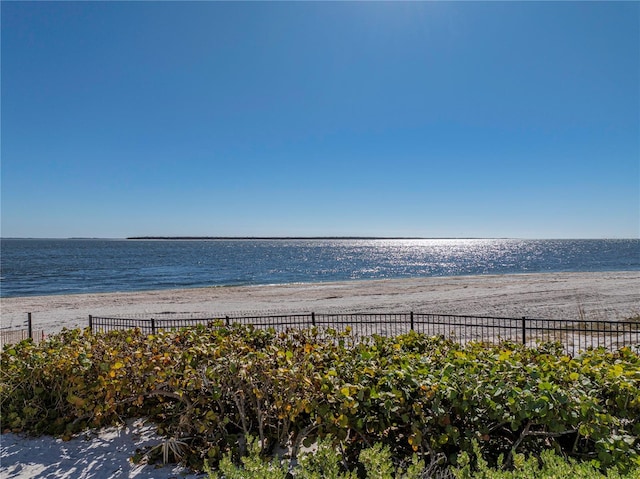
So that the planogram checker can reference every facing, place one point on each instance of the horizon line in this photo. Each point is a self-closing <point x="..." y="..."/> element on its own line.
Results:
<point x="316" y="237"/>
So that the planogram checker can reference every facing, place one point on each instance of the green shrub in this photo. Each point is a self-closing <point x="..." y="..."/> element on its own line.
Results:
<point x="547" y="466"/>
<point x="209" y="389"/>
<point x="376" y="463"/>
<point x="326" y="462"/>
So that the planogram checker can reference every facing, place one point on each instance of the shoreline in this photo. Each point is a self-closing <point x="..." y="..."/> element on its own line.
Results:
<point x="613" y="295"/>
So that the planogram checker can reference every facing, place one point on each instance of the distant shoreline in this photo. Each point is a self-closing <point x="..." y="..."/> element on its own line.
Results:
<point x="12" y="238"/>
<point x="290" y="238"/>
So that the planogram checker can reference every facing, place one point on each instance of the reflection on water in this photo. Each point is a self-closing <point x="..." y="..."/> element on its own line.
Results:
<point x="36" y="267"/>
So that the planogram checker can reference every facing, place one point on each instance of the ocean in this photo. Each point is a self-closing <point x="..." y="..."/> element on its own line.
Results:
<point x="32" y="267"/>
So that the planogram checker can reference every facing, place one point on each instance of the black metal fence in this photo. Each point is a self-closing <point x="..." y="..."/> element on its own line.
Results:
<point x="575" y="335"/>
<point x="13" y="335"/>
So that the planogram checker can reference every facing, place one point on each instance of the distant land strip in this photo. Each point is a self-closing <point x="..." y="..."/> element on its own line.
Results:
<point x="280" y="238"/>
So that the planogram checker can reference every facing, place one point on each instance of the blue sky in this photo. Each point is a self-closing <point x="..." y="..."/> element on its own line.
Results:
<point x="497" y="119"/>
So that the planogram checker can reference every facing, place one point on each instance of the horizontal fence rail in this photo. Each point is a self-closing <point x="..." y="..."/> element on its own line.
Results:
<point x="12" y="336"/>
<point x="575" y="335"/>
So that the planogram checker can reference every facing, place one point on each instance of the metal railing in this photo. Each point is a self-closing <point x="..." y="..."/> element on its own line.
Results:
<point x="575" y="335"/>
<point x="12" y="336"/>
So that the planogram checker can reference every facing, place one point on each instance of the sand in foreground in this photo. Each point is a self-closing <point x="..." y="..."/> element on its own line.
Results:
<point x="95" y="454"/>
<point x="595" y="296"/>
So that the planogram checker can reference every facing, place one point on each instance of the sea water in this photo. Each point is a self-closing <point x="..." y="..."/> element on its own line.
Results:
<point x="45" y="267"/>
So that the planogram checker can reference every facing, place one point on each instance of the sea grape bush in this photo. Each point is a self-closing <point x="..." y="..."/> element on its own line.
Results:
<point x="210" y="388"/>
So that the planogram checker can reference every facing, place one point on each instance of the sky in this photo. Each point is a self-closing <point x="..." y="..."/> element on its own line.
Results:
<point x="420" y="119"/>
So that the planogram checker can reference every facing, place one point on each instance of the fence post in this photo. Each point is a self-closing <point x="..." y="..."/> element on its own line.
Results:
<point x="411" y="320"/>
<point x="29" y="326"/>
<point x="313" y="319"/>
<point x="524" y="330"/>
<point x="91" y="323"/>
<point x="226" y="321"/>
<point x="153" y="326"/>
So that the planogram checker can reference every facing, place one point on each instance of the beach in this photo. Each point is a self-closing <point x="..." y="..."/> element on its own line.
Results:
<point x="106" y="453"/>
<point x="593" y="296"/>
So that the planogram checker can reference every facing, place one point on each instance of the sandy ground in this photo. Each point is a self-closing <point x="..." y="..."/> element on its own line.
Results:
<point x="596" y="296"/>
<point x="106" y="453"/>
<point x="103" y="454"/>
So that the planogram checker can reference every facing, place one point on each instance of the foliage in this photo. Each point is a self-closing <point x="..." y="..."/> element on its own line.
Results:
<point x="211" y="388"/>
<point x="253" y="466"/>
<point x="376" y="462"/>
<point x="323" y="463"/>
<point x="548" y="466"/>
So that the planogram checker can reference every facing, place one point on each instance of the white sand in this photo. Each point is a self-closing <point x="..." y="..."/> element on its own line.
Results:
<point x="596" y="296"/>
<point x="103" y="454"/>
<point x="601" y="296"/>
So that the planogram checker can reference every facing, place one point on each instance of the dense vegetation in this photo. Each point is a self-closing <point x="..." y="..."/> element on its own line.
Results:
<point x="210" y="389"/>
